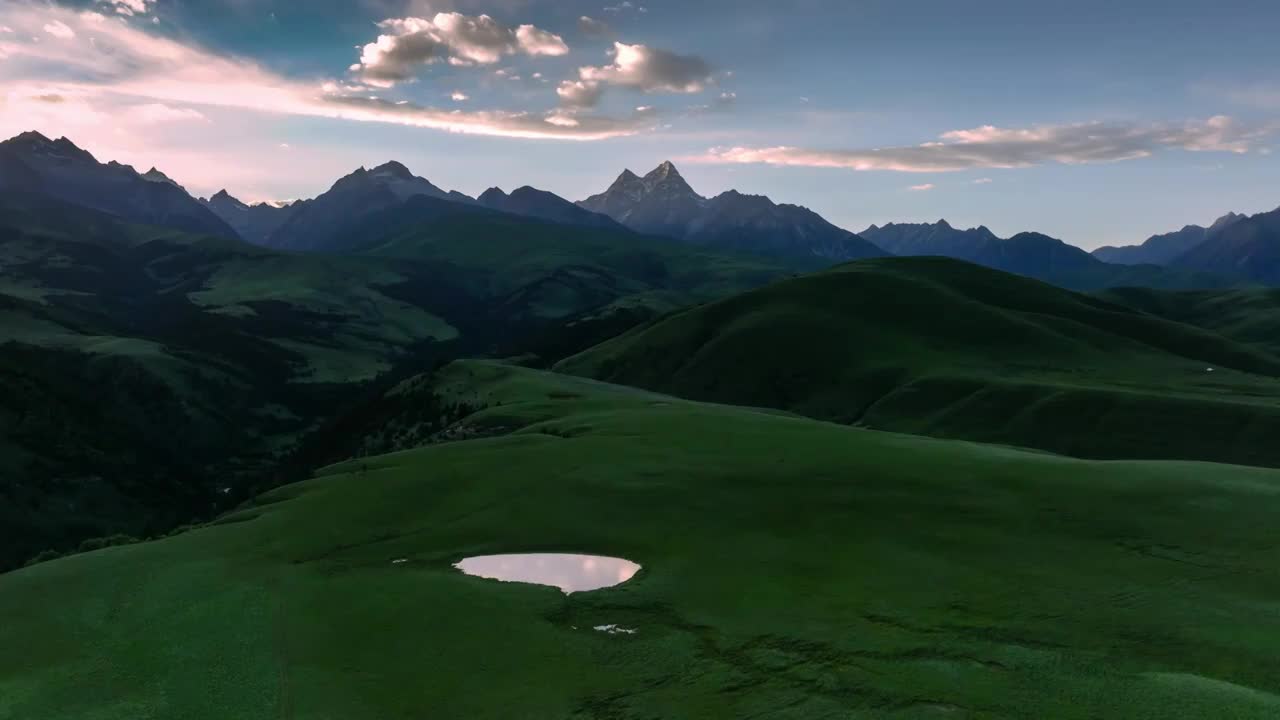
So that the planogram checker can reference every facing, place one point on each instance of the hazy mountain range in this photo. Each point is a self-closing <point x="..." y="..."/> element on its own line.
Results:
<point x="31" y="162"/>
<point x="661" y="203"/>
<point x="1167" y="247"/>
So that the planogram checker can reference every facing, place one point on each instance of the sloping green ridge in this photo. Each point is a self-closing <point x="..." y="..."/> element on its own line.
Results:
<point x="791" y="569"/>
<point x="220" y="354"/>
<point x="941" y="347"/>
<point x="1249" y="315"/>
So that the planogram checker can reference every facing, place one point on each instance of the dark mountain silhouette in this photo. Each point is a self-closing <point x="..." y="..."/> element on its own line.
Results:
<point x="543" y="205"/>
<point x="663" y="203"/>
<point x="1030" y="254"/>
<point x="320" y="223"/>
<point x="1165" y="248"/>
<point x="1248" y="248"/>
<point x="254" y="223"/>
<point x="31" y="162"/>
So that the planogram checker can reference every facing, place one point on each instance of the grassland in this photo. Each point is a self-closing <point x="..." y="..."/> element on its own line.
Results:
<point x="792" y="569"/>
<point x="1250" y="315"/>
<point x="236" y="352"/>
<point x="939" y="347"/>
<point x="544" y="270"/>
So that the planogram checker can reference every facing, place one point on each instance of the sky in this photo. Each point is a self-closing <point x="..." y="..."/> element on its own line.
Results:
<point x="1095" y="122"/>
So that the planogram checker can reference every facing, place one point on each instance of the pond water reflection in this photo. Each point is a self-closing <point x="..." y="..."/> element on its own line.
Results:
<point x="569" y="572"/>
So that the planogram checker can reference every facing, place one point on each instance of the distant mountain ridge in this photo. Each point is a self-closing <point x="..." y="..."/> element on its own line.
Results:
<point x="1248" y="248"/>
<point x="31" y="162"/>
<point x="930" y="239"/>
<point x="663" y="203"/>
<point x="1031" y="254"/>
<point x="254" y="223"/>
<point x="1232" y="250"/>
<point x="320" y="223"/>
<point x="1165" y="248"/>
<point x="531" y="202"/>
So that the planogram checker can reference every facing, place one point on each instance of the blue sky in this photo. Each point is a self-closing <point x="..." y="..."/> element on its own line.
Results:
<point x="1096" y="122"/>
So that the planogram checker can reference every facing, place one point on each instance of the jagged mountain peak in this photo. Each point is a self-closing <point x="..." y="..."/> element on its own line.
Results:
<point x="225" y="200"/>
<point x="1226" y="220"/>
<point x="155" y="175"/>
<point x="30" y="136"/>
<point x="491" y="195"/>
<point x="736" y="197"/>
<point x="36" y="143"/>
<point x="64" y="171"/>
<point x="666" y="180"/>
<point x="392" y="169"/>
<point x="664" y="170"/>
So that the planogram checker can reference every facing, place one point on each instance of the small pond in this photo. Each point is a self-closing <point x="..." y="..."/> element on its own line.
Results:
<point x="571" y="573"/>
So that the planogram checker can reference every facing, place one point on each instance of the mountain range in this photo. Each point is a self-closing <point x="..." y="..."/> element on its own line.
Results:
<point x="31" y="162"/>
<point x="663" y="203"/>
<point x="1234" y="249"/>
<point x="1031" y="254"/>
<point x="1165" y="248"/>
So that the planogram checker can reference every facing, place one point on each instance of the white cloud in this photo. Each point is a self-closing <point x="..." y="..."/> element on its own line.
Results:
<point x="533" y="41"/>
<point x="59" y="29"/>
<point x="624" y="6"/>
<point x="578" y="93"/>
<point x="651" y="70"/>
<point x="130" y="7"/>
<point x="458" y="96"/>
<point x="408" y="43"/>
<point x="982" y="181"/>
<point x="127" y="66"/>
<point x="922" y="188"/>
<point x="591" y="26"/>
<point x="993" y="147"/>
<point x="154" y="113"/>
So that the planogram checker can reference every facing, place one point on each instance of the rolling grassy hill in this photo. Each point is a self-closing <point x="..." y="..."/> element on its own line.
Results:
<point x="544" y="269"/>
<point x="940" y="347"/>
<point x="220" y="355"/>
<point x="1247" y="315"/>
<point x="791" y="569"/>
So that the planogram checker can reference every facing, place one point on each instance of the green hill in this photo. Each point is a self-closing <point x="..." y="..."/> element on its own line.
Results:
<point x="791" y="569"/>
<point x="152" y="376"/>
<point x="544" y="270"/>
<point x="1249" y="315"/>
<point x="940" y="347"/>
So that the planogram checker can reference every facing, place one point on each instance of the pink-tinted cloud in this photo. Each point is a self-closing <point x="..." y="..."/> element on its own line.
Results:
<point x="994" y="147"/>
<point x="409" y="43"/>
<point x="109" y="62"/>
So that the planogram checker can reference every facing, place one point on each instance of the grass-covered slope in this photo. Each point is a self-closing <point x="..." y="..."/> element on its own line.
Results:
<point x="941" y="347"/>
<point x="151" y="375"/>
<point x="791" y="569"/>
<point x="539" y="269"/>
<point x="1248" y="315"/>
